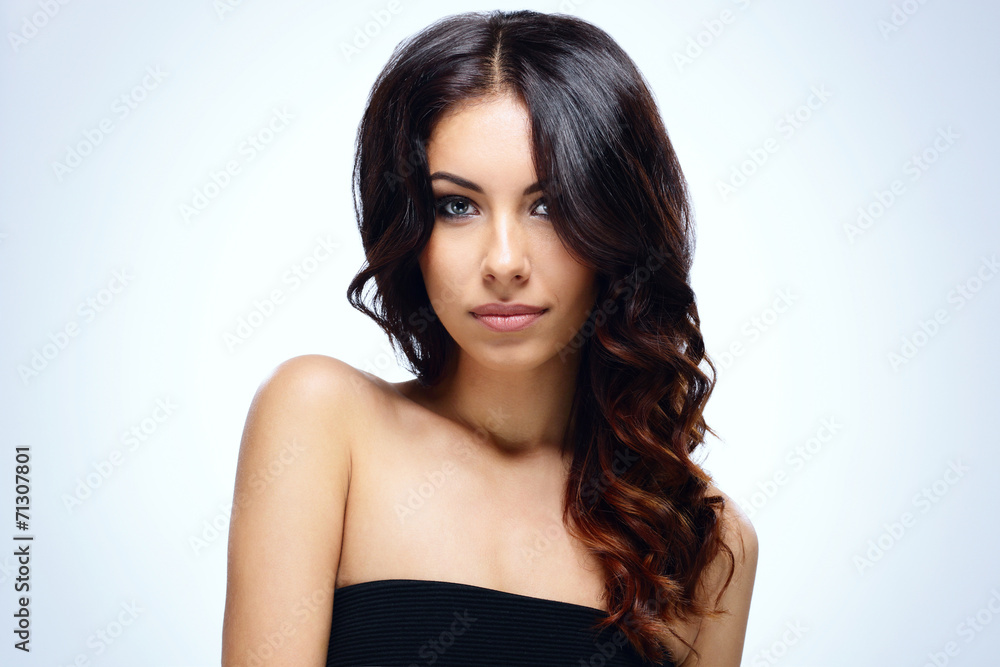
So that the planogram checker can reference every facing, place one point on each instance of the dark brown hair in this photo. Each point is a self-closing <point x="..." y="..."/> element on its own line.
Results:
<point x="618" y="200"/>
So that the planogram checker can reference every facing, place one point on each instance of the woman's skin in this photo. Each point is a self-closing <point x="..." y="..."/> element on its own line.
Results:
<point x="499" y="246"/>
<point x="482" y="447"/>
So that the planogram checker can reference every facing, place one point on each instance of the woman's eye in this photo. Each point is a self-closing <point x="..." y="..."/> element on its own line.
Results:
<point x="452" y="207"/>
<point x="458" y="207"/>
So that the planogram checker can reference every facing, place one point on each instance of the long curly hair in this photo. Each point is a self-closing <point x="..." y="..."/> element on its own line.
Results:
<point x="619" y="202"/>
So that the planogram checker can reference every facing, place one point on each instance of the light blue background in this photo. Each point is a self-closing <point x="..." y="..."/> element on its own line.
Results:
<point x="824" y="357"/>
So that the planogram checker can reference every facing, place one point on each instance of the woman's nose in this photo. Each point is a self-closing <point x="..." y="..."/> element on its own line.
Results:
<point x="505" y="256"/>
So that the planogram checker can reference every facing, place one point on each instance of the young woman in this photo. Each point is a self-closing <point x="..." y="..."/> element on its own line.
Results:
<point x="529" y="498"/>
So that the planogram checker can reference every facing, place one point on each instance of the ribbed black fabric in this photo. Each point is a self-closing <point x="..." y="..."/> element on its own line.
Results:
<point x="416" y="623"/>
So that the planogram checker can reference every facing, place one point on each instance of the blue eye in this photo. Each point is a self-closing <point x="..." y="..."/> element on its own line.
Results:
<point x="444" y="202"/>
<point x="443" y="207"/>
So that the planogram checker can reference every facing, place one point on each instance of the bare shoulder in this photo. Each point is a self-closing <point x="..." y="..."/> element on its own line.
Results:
<point x="318" y="376"/>
<point x="306" y="399"/>
<point x="719" y="641"/>
<point x="737" y="530"/>
<point x="334" y="388"/>
<point x="289" y="499"/>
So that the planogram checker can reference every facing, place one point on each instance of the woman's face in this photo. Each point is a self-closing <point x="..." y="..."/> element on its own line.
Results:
<point x="492" y="241"/>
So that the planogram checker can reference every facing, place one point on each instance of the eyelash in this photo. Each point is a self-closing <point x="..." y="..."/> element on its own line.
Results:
<point x="442" y="202"/>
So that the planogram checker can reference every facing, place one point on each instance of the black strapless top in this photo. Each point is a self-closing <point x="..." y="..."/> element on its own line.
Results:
<point x="416" y="623"/>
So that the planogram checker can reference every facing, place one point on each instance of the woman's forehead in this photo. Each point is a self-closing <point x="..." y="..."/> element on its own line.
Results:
<point x="486" y="141"/>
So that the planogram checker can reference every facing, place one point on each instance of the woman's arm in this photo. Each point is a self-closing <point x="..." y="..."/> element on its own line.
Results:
<point x="288" y="514"/>
<point x="720" y="641"/>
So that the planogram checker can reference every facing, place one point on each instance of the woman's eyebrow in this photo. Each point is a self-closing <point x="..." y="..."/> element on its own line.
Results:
<point x="458" y="180"/>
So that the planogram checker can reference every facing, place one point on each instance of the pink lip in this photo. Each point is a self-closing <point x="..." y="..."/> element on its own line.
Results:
<point x="497" y="308"/>
<point x="506" y="323"/>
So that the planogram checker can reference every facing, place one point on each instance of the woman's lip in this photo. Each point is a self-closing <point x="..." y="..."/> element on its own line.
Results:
<point x="507" y="323"/>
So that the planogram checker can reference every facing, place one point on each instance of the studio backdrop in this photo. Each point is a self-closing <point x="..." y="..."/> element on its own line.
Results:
<point x="176" y="220"/>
